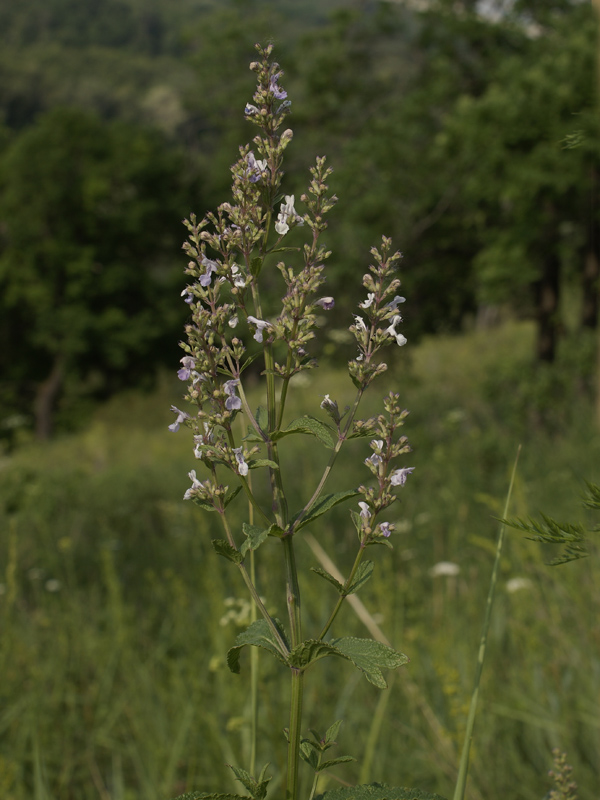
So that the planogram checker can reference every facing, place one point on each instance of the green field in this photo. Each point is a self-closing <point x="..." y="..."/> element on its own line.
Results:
<point x="116" y="617"/>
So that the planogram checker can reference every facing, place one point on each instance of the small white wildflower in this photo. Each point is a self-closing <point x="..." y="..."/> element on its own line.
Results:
<point x="233" y="402"/>
<point x="260" y="324"/>
<point x="365" y="511"/>
<point x="196" y="484"/>
<point x="326" y="303"/>
<point x="377" y="445"/>
<point x="399" y="476"/>
<point x="287" y="212"/>
<point x="369" y="301"/>
<point x="396" y="302"/>
<point x="360" y="323"/>
<point x="242" y="466"/>
<point x="251" y="110"/>
<point x="181" y="416"/>
<point x="233" y="321"/>
<point x="391" y="331"/>
<point x="385" y="528"/>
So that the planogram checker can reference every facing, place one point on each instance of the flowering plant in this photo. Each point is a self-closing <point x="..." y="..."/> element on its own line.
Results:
<point x="229" y="252"/>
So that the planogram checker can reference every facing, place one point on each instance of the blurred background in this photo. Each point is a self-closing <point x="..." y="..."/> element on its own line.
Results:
<point x="468" y="132"/>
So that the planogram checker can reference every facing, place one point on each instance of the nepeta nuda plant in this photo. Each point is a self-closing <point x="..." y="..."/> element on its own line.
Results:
<point x="230" y="252"/>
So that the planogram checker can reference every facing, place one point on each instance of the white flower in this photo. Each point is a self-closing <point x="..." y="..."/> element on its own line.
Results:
<point x="233" y="321"/>
<point x="385" y="528"/>
<point x="360" y="323"/>
<point x="196" y="484"/>
<point x="287" y="212"/>
<point x="242" y="466"/>
<point x="375" y="460"/>
<point x="260" y="324"/>
<point x="391" y="331"/>
<point x="399" y="476"/>
<point x="365" y="511"/>
<point x="250" y="110"/>
<point x="326" y="303"/>
<point x="377" y="445"/>
<point x="369" y="301"/>
<point x="238" y="278"/>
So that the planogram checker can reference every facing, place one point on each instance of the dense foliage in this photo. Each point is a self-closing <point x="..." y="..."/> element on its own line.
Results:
<point x="471" y="140"/>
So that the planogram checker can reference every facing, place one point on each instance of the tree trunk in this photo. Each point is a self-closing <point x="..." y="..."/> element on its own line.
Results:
<point x="47" y="392"/>
<point x="547" y="295"/>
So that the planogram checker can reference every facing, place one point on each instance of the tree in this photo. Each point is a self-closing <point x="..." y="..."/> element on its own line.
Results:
<point x="90" y="216"/>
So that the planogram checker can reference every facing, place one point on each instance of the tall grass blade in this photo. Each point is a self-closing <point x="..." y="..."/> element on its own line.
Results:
<point x="463" y="771"/>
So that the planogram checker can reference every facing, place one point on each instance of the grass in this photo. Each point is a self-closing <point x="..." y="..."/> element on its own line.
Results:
<point x="112" y="652"/>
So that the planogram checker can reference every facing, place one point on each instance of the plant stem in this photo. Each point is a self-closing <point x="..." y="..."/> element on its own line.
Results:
<point x="343" y="596"/>
<point x="293" y="759"/>
<point x="461" y="781"/>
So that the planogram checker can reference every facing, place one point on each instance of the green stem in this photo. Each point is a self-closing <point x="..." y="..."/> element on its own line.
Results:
<point x="283" y="649"/>
<point x="338" y="446"/>
<point x="294" y="735"/>
<point x="343" y="596"/>
<point x="461" y="782"/>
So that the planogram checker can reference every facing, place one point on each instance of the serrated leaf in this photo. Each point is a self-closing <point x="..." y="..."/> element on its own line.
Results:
<point x="370" y="657"/>
<point x="223" y="548"/>
<point x="324" y="574"/>
<point x="254" y="537"/>
<point x="210" y="796"/>
<point x="311" y="650"/>
<point x="334" y="762"/>
<point x="324" y="504"/>
<point x="257" y="788"/>
<point x="259" y="634"/>
<point x="310" y="426"/>
<point x="591" y="500"/>
<point x="308" y="754"/>
<point x="378" y="791"/>
<point x="363" y="573"/>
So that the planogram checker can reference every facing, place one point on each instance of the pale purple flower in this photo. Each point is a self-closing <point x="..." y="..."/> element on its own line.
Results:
<point x="188" y="365"/>
<point x="369" y="301"/>
<point x="256" y="167"/>
<point x="399" y="476"/>
<point x="374" y="460"/>
<point x="251" y="110"/>
<point x="187" y="295"/>
<point x="365" y="511"/>
<point x="278" y="92"/>
<point x="181" y="416"/>
<point x="385" y="529"/>
<point x="233" y="402"/>
<point x="396" y="302"/>
<point x="391" y="331"/>
<point x="211" y="266"/>
<point x="260" y="324"/>
<point x="326" y="303"/>
<point x="241" y="464"/>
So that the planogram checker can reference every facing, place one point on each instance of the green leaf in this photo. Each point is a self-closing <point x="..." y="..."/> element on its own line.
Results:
<point x="363" y="573"/>
<point x="378" y="791"/>
<point x="230" y="495"/>
<point x="328" y="577"/>
<point x="308" y="425"/>
<point x="254" y="537"/>
<point x="262" y="418"/>
<point x="334" y="762"/>
<point x="324" y="504"/>
<point x="259" y="634"/>
<point x="255" y="463"/>
<point x="203" y="504"/>
<point x="308" y="754"/>
<point x="591" y="500"/>
<point x="331" y="733"/>
<point x="256" y="266"/>
<point x="257" y="788"/>
<point x="223" y="548"/>
<point x="369" y="657"/>
<point x="210" y="796"/>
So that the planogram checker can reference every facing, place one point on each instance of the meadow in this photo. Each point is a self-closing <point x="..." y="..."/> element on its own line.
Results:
<point x="117" y="614"/>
